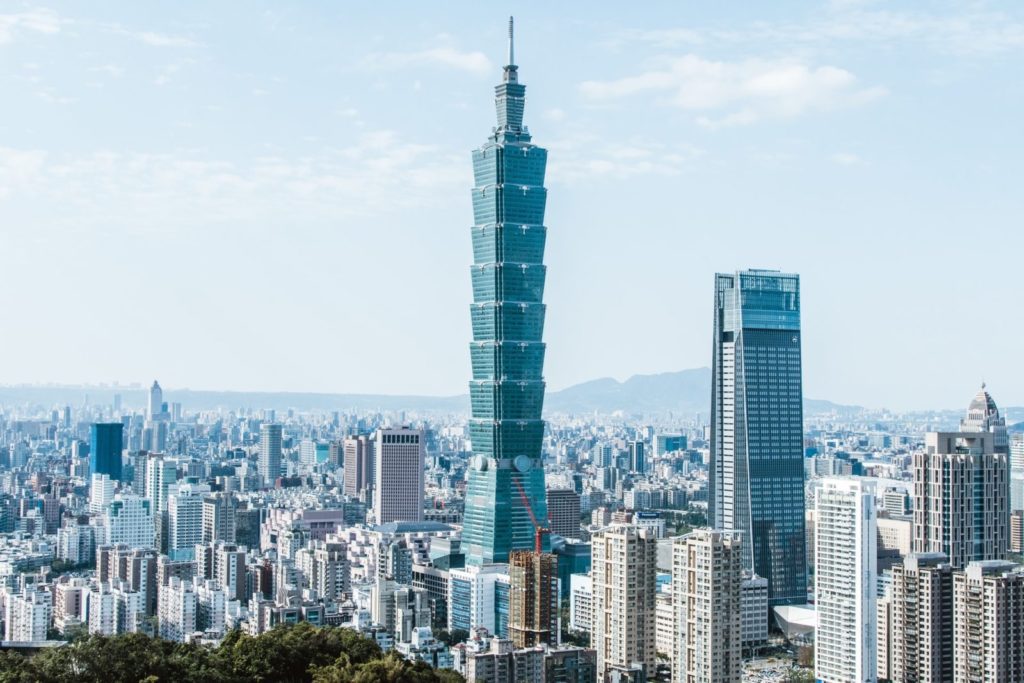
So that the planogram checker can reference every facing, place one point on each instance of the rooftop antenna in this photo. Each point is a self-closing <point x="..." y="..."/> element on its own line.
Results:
<point x="511" y="46"/>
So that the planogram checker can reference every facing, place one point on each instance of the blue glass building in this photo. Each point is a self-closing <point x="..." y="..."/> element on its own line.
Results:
<point x="505" y="483"/>
<point x="756" y="483"/>
<point x="105" y="445"/>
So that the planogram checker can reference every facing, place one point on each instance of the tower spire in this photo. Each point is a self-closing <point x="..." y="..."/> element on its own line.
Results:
<point x="511" y="43"/>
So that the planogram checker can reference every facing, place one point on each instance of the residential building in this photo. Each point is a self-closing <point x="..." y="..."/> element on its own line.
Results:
<point x="961" y="505"/>
<point x="845" y="582"/>
<point x="707" y="579"/>
<point x="624" y="573"/>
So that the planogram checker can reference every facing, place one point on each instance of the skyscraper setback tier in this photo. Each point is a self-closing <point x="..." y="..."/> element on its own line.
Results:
<point x="505" y="494"/>
<point x="756" y="482"/>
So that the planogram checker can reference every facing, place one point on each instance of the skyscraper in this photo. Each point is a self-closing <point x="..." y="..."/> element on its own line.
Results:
<point x="505" y="484"/>
<point x="756" y="482"/>
<point x="105" y="446"/>
<point x="155" y="409"/>
<point x="961" y="505"/>
<point x="398" y="489"/>
<point x="270" y="453"/>
<point x="988" y="622"/>
<point x="845" y="582"/>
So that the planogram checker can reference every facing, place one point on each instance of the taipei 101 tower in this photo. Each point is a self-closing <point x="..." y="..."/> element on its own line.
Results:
<point x="505" y="497"/>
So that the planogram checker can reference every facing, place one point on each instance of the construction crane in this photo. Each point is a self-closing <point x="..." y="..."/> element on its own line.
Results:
<point x="539" y="531"/>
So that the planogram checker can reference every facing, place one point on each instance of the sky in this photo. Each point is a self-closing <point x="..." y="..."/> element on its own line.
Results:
<point x="261" y="196"/>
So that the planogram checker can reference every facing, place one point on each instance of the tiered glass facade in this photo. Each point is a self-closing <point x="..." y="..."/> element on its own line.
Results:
<point x="756" y="483"/>
<point x="507" y="389"/>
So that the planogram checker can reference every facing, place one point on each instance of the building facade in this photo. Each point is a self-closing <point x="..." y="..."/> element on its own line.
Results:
<point x="756" y="478"/>
<point x="398" y="473"/>
<point x="961" y="492"/>
<point x="845" y="582"/>
<point x="707" y="578"/>
<point x="624" y="584"/>
<point x="106" y="441"/>
<point x="270" y="453"/>
<point x="505" y="496"/>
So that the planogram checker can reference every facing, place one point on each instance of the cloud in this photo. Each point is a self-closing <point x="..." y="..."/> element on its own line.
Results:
<point x="37" y="20"/>
<point x="554" y="114"/>
<point x="968" y="32"/>
<point x="162" y="39"/>
<point x="584" y="157"/>
<point x="743" y="92"/>
<point x="473" y="62"/>
<point x="379" y="172"/>
<point x="846" y="159"/>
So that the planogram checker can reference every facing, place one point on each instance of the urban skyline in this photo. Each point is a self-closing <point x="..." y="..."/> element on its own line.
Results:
<point x="798" y="155"/>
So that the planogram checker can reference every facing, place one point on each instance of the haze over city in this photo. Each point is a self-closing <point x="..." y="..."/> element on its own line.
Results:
<point x="262" y="197"/>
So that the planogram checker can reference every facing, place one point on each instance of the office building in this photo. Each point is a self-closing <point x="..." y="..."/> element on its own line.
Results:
<point x="581" y="603"/>
<point x="754" y="597"/>
<point x="845" y="582"/>
<point x="105" y="446"/>
<point x="270" y="453"/>
<point x="624" y="576"/>
<point x="478" y="597"/>
<point x="533" y="599"/>
<point x="988" y="622"/>
<point x="398" y="476"/>
<point x="961" y="505"/>
<point x="220" y="513"/>
<point x="637" y="457"/>
<point x="707" y="578"/>
<point x="155" y="407"/>
<point x="564" y="513"/>
<point x="129" y="520"/>
<point x="358" y="466"/>
<point x="505" y="493"/>
<point x="101" y="493"/>
<point x="756" y="477"/>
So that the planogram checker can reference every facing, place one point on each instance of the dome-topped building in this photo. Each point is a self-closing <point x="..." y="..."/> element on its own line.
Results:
<point x="983" y="416"/>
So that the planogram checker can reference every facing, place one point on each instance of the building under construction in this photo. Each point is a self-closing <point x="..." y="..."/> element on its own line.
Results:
<point x="533" y="597"/>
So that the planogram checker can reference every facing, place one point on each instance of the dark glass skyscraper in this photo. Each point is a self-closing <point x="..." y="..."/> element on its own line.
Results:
<point x="505" y="485"/>
<point x="106" y="441"/>
<point x="757" y="474"/>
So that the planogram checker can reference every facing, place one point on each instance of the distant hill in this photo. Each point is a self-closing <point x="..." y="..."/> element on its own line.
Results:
<point x="686" y="392"/>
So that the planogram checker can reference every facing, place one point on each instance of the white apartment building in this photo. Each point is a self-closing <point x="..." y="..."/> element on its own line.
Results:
<point x="129" y="520"/>
<point x="27" y="615"/>
<point x="176" y="615"/>
<point x="845" y="582"/>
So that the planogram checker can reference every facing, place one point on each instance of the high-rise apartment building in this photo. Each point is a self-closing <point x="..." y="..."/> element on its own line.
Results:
<point x="398" y="483"/>
<point x="960" y="498"/>
<point x="919" y="640"/>
<point x="756" y="478"/>
<point x="624" y="583"/>
<point x="101" y="493"/>
<point x="358" y="466"/>
<point x="505" y="481"/>
<point x="707" y="578"/>
<point x="27" y="614"/>
<point x="564" y="513"/>
<point x="533" y="598"/>
<point x="988" y="623"/>
<point x="270" y="453"/>
<point x="106" y="441"/>
<point x="845" y="583"/>
<point x="176" y="615"/>
<point x="185" y="519"/>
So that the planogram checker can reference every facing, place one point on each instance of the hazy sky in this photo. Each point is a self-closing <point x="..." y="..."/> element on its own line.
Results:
<point x="244" y="195"/>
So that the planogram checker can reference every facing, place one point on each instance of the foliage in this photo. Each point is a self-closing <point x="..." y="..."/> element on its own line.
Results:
<point x="297" y="653"/>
